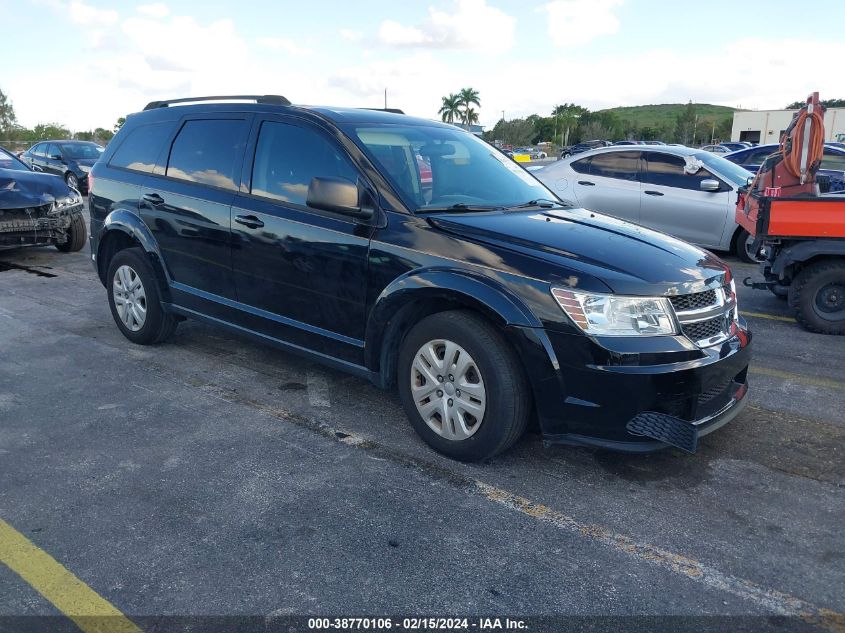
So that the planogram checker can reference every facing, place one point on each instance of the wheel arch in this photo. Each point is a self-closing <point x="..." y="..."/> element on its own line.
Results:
<point x="794" y="257"/>
<point x="419" y="294"/>
<point x="123" y="229"/>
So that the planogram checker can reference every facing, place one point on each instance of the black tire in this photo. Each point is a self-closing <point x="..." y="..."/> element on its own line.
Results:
<point x="508" y="397"/>
<point x="780" y="291"/>
<point x="158" y="325"/>
<point x="818" y="295"/>
<point x="77" y="235"/>
<point x="71" y="180"/>
<point x="743" y="240"/>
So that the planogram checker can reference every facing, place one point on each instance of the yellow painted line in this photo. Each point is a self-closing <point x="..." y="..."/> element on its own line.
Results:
<point x="770" y="599"/>
<point x="813" y="381"/>
<point x="771" y="317"/>
<point x="71" y="596"/>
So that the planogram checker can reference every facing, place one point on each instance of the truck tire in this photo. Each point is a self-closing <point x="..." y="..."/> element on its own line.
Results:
<point x="818" y="295"/>
<point x="462" y="386"/>
<point x="77" y="235"/>
<point x="135" y="300"/>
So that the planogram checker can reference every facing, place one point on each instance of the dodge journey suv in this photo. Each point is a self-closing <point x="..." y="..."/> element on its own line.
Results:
<point x="479" y="295"/>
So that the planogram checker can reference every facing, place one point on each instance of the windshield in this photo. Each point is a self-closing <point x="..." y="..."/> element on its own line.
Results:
<point x="725" y="168"/>
<point x="8" y="161"/>
<point x="435" y="168"/>
<point x="81" y="151"/>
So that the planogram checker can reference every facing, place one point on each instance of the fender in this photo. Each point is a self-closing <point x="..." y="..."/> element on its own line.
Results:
<point x="804" y="250"/>
<point x="131" y="224"/>
<point x="461" y="286"/>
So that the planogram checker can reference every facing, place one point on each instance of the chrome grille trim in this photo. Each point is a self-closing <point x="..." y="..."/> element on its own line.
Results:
<point x="705" y="325"/>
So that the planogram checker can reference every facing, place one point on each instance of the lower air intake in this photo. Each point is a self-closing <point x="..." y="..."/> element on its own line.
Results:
<point x="665" y="428"/>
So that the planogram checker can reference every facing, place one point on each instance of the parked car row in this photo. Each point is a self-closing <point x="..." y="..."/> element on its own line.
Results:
<point x="72" y="160"/>
<point x="832" y="164"/>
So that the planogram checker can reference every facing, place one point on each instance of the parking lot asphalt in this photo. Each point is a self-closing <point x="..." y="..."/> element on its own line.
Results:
<point x="212" y="475"/>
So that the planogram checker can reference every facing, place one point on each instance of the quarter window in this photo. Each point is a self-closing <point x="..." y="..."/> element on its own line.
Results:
<point x="208" y="152"/>
<point x="140" y="149"/>
<point x="668" y="170"/>
<point x="582" y="166"/>
<point x="619" y="165"/>
<point x="288" y="156"/>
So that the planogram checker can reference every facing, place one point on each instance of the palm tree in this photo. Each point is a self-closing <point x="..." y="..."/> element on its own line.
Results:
<point x="470" y="116"/>
<point x="451" y="108"/>
<point x="468" y="97"/>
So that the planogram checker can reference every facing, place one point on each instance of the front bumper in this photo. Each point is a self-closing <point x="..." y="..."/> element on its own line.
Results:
<point x="35" y="226"/>
<point x="639" y="395"/>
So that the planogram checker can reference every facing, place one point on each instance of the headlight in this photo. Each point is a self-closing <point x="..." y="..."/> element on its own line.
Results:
<point x="61" y="204"/>
<point x="613" y="315"/>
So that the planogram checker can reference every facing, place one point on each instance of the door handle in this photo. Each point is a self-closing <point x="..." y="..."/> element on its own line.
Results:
<point x="586" y="183"/>
<point x="652" y="193"/>
<point x="249" y="220"/>
<point x="153" y="198"/>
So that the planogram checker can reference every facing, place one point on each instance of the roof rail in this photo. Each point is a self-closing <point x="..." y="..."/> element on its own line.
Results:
<point x="393" y="110"/>
<point x="267" y="99"/>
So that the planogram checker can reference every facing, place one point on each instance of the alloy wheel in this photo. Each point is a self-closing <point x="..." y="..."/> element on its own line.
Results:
<point x="130" y="299"/>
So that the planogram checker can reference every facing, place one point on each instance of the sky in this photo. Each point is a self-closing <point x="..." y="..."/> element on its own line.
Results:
<point x="84" y="63"/>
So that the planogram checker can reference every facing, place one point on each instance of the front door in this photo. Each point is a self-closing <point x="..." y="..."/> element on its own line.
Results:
<point x="301" y="272"/>
<point x="673" y="201"/>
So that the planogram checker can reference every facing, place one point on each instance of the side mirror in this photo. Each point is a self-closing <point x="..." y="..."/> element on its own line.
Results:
<point x="338" y="195"/>
<point x="749" y="181"/>
<point x="709" y="184"/>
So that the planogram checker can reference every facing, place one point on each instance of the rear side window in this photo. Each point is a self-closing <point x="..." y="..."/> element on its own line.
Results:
<point x="757" y="158"/>
<point x="582" y="166"/>
<point x="287" y="157"/>
<point x="833" y="161"/>
<point x="620" y="165"/>
<point x="141" y="147"/>
<point x="668" y="171"/>
<point x="208" y="152"/>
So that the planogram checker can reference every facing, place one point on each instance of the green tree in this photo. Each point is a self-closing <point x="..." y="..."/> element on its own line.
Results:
<point x="470" y="116"/>
<point x="827" y="103"/>
<point x="103" y="134"/>
<point x="468" y="97"/>
<point x="514" y="132"/>
<point x="685" y="125"/>
<point x="119" y="124"/>
<point x="7" y="115"/>
<point x="44" y="131"/>
<point x="566" y="118"/>
<point x="449" y="111"/>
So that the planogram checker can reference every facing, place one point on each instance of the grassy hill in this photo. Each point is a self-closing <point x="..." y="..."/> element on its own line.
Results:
<point x="664" y="115"/>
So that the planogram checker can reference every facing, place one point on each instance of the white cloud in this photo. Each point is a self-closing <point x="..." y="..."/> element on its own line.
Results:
<point x="87" y="15"/>
<point x="473" y="25"/>
<point x="283" y="44"/>
<point x="154" y="10"/>
<point x="577" y="22"/>
<point x="351" y="35"/>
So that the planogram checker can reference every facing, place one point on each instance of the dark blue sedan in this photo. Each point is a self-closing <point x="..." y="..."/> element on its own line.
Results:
<point x="833" y="161"/>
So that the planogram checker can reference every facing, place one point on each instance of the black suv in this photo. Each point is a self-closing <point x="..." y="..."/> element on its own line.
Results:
<point x="481" y="296"/>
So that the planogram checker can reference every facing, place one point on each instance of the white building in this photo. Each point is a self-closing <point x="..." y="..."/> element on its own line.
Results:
<point x="766" y="126"/>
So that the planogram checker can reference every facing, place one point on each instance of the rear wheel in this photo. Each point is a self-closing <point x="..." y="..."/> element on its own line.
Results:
<point x="818" y="295"/>
<point x="77" y="235"/>
<point x="134" y="299"/>
<point x="462" y="386"/>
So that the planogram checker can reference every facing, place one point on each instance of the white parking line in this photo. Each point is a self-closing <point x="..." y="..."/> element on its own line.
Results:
<point x="318" y="390"/>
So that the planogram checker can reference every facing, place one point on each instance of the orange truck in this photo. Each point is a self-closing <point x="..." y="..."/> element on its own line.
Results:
<point x="799" y="229"/>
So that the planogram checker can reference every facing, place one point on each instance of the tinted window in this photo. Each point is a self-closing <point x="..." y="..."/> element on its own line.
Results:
<point x="37" y="150"/>
<point x="621" y="165"/>
<point x="669" y="171"/>
<point x="81" y="151"/>
<point x="140" y="148"/>
<point x="208" y="152"/>
<point x="833" y="161"/>
<point x="53" y="150"/>
<point x="582" y="166"/>
<point x="757" y="157"/>
<point x="287" y="157"/>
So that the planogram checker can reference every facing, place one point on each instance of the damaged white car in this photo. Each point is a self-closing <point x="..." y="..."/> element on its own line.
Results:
<point x="38" y="209"/>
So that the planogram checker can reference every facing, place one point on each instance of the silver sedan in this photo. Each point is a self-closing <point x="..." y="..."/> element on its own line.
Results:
<point x="685" y="192"/>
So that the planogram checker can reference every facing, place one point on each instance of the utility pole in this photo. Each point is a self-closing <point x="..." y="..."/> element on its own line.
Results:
<point x="385" y="98"/>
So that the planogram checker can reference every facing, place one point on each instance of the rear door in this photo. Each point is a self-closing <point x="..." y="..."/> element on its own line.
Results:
<point x="609" y="183"/>
<point x="674" y="203"/>
<point x="187" y="205"/>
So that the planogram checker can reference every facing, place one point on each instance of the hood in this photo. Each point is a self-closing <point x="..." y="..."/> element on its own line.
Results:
<point x="628" y="258"/>
<point x="21" y="189"/>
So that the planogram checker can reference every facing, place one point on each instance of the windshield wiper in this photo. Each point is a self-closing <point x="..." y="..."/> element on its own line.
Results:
<point x="543" y="203"/>
<point x="459" y="207"/>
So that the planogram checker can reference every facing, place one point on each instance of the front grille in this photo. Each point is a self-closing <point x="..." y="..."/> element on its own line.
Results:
<point x="704" y="329"/>
<point x="714" y="392"/>
<point x="695" y="301"/>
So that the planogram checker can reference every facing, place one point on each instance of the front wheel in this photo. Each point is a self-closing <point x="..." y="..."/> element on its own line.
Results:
<point x="77" y="235"/>
<point x="134" y="299"/>
<point x="462" y="386"/>
<point x="72" y="181"/>
<point x="818" y="295"/>
<point x="745" y="248"/>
